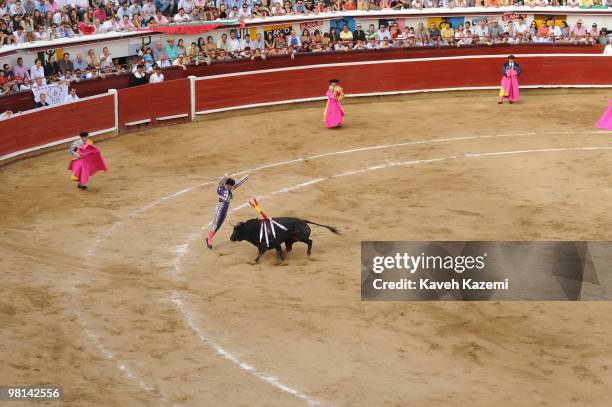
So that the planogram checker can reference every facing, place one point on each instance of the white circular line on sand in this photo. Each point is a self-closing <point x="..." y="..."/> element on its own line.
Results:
<point x="188" y="316"/>
<point x="177" y="299"/>
<point x="109" y="354"/>
<point x="181" y="250"/>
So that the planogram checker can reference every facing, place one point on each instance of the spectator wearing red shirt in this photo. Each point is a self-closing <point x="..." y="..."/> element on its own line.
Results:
<point x="8" y="74"/>
<point x="100" y="13"/>
<point x="350" y="5"/>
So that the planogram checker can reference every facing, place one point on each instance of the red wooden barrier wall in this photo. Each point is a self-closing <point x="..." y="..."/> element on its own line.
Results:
<point x="150" y="102"/>
<point x="56" y="123"/>
<point x="253" y="88"/>
<point x="90" y="87"/>
<point x="172" y="98"/>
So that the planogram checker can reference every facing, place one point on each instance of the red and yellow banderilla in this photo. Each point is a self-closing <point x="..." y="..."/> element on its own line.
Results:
<point x="266" y="222"/>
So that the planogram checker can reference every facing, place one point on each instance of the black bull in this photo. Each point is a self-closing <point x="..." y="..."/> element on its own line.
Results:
<point x="297" y="231"/>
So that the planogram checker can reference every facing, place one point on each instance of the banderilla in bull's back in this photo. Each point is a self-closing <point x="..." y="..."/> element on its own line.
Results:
<point x="263" y="234"/>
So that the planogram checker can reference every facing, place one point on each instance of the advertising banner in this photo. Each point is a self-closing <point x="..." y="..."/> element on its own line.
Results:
<point x="312" y="26"/>
<point x="338" y="23"/>
<point x="276" y="29"/>
<point x="440" y="21"/>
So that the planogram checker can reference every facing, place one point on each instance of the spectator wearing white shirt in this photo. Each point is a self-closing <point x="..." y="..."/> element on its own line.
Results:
<point x="277" y="10"/>
<point x="554" y="31"/>
<point x="68" y="77"/>
<point x="55" y="32"/>
<point x="608" y="48"/>
<point x="466" y="39"/>
<point x="482" y="31"/>
<point x="382" y="33"/>
<point x="234" y="44"/>
<point x="244" y="11"/>
<point x="16" y="8"/>
<point x="6" y="114"/>
<point x="97" y="26"/>
<point x="180" y="61"/>
<point x="299" y="7"/>
<point x="71" y="96"/>
<point x="41" y="34"/>
<point x="60" y="16"/>
<point x="110" y="25"/>
<point x="233" y="14"/>
<point x="19" y="35"/>
<point x="106" y="59"/>
<point x="135" y="8"/>
<point x="65" y="31"/>
<point x="163" y="61"/>
<point x="89" y="73"/>
<point x="223" y="43"/>
<point x="156" y="76"/>
<point x="259" y="42"/>
<point x="181" y="17"/>
<point x="246" y="42"/>
<point x="38" y="71"/>
<point x="26" y="84"/>
<point x="520" y="26"/>
<point x="148" y="9"/>
<point x="187" y="5"/>
<point x="123" y="11"/>
<point x="79" y="63"/>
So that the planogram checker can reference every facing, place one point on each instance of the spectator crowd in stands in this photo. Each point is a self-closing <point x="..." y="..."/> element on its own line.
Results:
<point x="24" y="21"/>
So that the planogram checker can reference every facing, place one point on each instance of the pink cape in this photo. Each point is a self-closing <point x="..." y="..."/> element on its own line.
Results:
<point x="333" y="111"/>
<point x="605" y="122"/>
<point x="91" y="161"/>
<point x="509" y="86"/>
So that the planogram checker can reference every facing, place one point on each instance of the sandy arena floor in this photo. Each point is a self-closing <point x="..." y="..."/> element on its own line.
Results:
<point x="111" y="294"/>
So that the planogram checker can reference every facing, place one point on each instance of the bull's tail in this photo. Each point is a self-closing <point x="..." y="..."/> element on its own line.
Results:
<point x="331" y="228"/>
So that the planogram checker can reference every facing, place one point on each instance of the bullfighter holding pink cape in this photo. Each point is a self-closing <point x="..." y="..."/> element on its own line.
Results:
<point x="509" y="83"/>
<point x="86" y="162"/>
<point x="605" y="122"/>
<point x="334" y="113"/>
